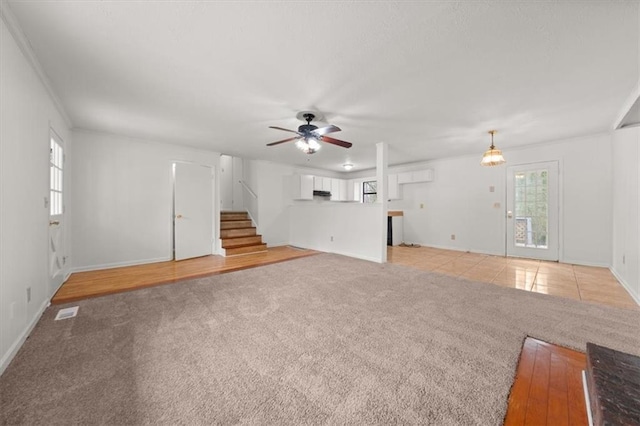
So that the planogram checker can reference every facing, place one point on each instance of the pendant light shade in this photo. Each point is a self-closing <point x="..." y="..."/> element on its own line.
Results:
<point x="493" y="156"/>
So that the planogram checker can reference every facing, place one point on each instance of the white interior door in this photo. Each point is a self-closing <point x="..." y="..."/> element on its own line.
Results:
<point x="193" y="210"/>
<point x="56" y="213"/>
<point x="533" y="211"/>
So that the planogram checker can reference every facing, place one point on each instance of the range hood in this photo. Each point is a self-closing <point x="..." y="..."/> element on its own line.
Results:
<point x="322" y="193"/>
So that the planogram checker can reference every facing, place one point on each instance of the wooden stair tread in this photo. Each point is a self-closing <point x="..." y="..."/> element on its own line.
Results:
<point x="239" y="241"/>
<point x="246" y="249"/>
<point x="238" y="235"/>
<point x="235" y="224"/>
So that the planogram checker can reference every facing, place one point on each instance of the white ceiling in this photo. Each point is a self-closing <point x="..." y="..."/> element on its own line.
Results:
<point x="429" y="78"/>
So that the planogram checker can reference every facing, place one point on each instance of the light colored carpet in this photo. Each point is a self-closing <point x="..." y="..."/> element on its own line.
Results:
<point x="319" y="340"/>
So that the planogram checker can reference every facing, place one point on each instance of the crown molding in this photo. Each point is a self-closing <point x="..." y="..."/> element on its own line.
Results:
<point x="25" y="46"/>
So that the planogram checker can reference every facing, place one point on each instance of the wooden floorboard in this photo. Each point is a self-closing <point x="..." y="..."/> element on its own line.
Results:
<point x="547" y="389"/>
<point x="83" y="285"/>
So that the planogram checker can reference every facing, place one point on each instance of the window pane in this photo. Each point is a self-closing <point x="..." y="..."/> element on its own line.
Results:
<point x="531" y="205"/>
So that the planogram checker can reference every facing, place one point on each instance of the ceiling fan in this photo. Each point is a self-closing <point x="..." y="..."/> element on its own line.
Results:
<point x="309" y="136"/>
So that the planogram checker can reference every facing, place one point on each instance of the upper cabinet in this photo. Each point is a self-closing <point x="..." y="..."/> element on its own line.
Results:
<point x="339" y="190"/>
<point x="321" y="183"/>
<point x="302" y="187"/>
<point x="416" y="176"/>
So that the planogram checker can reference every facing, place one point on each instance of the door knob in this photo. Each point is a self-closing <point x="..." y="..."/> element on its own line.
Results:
<point x="510" y="214"/>
<point x="179" y="216"/>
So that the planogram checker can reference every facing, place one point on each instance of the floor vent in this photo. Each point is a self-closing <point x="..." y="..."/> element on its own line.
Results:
<point x="67" y="313"/>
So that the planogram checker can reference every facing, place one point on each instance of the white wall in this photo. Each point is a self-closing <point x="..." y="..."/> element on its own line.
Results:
<point x="273" y="200"/>
<point x="226" y="182"/>
<point x="270" y="210"/>
<point x="27" y="113"/>
<point x="458" y="201"/>
<point x="353" y="226"/>
<point x="626" y="216"/>
<point x="123" y="198"/>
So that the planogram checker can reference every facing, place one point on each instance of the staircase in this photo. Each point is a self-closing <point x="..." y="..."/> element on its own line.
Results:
<point x="238" y="234"/>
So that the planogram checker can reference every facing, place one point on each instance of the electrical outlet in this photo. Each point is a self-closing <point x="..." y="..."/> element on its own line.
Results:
<point x="492" y="188"/>
<point x="453" y="236"/>
<point x="332" y="238"/>
<point x="421" y="205"/>
<point x="28" y="294"/>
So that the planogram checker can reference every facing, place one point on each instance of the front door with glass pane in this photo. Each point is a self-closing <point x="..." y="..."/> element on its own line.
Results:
<point x="56" y="212"/>
<point x="532" y="211"/>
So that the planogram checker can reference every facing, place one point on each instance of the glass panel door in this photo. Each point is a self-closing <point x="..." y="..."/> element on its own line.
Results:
<point x="532" y="211"/>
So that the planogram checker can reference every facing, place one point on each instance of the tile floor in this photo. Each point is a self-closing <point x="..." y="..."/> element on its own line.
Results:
<point x="586" y="283"/>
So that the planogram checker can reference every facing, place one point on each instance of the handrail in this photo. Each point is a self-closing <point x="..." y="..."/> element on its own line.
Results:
<point x="245" y="186"/>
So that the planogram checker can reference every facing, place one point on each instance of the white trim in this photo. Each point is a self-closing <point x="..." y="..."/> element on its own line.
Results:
<point x="462" y="250"/>
<point x="15" y="347"/>
<point x="583" y="263"/>
<point x="626" y="107"/>
<point x="585" y="388"/>
<point x="25" y="46"/>
<point x="635" y="297"/>
<point x="357" y="256"/>
<point x="279" y="244"/>
<point x="118" y="264"/>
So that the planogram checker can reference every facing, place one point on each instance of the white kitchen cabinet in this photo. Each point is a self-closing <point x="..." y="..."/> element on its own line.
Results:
<point x="406" y="177"/>
<point x="321" y="183"/>
<point x="339" y="190"/>
<point x="335" y="190"/>
<point x="326" y="184"/>
<point x="302" y="187"/>
<point x="416" y="176"/>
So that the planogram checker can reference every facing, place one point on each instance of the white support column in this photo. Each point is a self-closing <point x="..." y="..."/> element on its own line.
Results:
<point x="382" y="163"/>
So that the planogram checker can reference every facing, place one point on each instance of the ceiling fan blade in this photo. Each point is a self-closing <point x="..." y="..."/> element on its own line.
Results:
<point x="324" y="130"/>
<point x="282" y="141"/>
<point x="286" y="130"/>
<point x="336" y="142"/>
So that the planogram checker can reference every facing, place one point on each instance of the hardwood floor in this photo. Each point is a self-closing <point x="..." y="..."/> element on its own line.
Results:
<point x="83" y="285"/>
<point x="576" y="282"/>
<point x="548" y="387"/>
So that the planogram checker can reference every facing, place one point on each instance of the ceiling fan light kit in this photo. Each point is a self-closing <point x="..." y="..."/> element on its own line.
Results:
<point x="492" y="156"/>
<point x="310" y="136"/>
<point x="347" y="166"/>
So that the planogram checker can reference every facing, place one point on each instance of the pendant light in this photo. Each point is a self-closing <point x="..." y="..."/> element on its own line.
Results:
<point x="493" y="156"/>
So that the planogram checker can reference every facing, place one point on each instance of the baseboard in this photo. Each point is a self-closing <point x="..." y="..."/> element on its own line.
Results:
<point x="491" y="253"/>
<point x="357" y="256"/>
<point x="118" y="264"/>
<point x="281" y="244"/>
<point x="635" y="297"/>
<point x="15" y="347"/>
<point x="582" y="263"/>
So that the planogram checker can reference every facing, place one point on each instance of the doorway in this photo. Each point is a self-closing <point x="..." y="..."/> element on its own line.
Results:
<point x="192" y="210"/>
<point x="56" y="212"/>
<point x="533" y="211"/>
